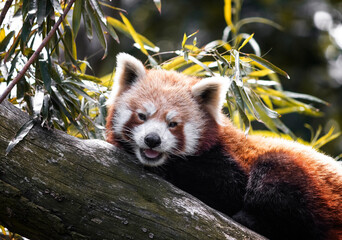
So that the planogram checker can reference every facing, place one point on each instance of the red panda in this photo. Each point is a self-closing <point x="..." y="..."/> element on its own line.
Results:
<point x="173" y="124"/>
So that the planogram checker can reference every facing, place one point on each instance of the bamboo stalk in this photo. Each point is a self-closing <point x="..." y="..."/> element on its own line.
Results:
<point x="36" y="53"/>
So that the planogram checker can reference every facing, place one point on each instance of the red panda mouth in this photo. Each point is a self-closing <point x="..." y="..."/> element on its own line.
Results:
<point x="150" y="154"/>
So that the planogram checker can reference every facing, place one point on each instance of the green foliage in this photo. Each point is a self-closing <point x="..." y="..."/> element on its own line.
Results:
<point x="58" y="91"/>
<point x="5" y="234"/>
<point x="255" y="91"/>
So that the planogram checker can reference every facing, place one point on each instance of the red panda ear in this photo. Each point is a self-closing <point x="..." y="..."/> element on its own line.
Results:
<point x="209" y="92"/>
<point x="128" y="71"/>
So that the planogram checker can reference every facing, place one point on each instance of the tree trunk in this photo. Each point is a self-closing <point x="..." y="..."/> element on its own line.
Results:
<point x="55" y="186"/>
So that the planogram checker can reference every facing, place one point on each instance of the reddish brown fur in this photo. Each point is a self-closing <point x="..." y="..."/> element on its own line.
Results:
<point x="321" y="179"/>
<point x="170" y="90"/>
<point x="110" y="135"/>
<point x="166" y="90"/>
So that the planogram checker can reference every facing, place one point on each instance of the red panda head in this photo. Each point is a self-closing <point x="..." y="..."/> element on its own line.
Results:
<point x="158" y="113"/>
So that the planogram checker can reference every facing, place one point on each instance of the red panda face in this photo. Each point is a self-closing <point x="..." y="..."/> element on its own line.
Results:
<point x="154" y="133"/>
<point x="160" y="113"/>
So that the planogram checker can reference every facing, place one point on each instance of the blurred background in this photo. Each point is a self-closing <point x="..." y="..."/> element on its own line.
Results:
<point x="309" y="48"/>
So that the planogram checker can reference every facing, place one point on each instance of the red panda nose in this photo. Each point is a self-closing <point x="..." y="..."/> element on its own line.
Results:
<point x="152" y="140"/>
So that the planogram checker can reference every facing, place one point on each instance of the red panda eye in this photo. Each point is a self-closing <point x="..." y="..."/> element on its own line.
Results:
<point x="173" y="124"/>
<point x="142" y="116"/>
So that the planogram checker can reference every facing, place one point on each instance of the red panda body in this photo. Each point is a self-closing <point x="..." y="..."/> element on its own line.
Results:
<point x="279" y="188"/>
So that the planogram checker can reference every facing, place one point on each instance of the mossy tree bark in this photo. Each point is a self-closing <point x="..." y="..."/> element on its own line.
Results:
<point x="55" y="186"/>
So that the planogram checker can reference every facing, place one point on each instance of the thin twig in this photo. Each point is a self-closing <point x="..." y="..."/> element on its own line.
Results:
<point x="36" y="53"/>
<point x="4" y="10"/>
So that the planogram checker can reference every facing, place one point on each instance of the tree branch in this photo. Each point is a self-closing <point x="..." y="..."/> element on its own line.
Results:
<point x="36" y="53"/>
<point x="55" y="186"/>
<point x="5" y="10"/>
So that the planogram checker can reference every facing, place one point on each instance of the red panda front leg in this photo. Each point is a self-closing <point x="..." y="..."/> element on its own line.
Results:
<point x="278" y="202"/>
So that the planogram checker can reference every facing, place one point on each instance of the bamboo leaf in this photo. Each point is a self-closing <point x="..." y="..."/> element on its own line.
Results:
<point x="122" y="28"/>
<point x="287" y="110"/>
<point x="45" y="108"/>
<point x="79" y="84"/>
<point x="268" y="65"/>
<point x="194" y="69"/>
<point x="261" y="106"/>
<point x="195" y="60"/>
<point x="245" y="21"/>
<point x="97" y="8"/>
<point x="22" y="87"/>
<point x="318" y="143"/>
<point x="56" y="75"/>
<point x="25" y="8"/>
<point x="56" y="5"/>
<point x="325" y="139"/>
<point x="280" y="125"/>
<point x="69" y="41"/>
<point x="261" y="73"/>
<point x="41" y="14"/>
<point x="59" y="101"/>
<point x="158" y="4"/>
<point x="38" y="100"/>
<point x="184" y="40"/>
<point x="193" y="34"/>
<point x="33" y="7"/>
<point x="305" y="97"/>
<point x="314" y="136"/>
<point x="88" y="22"/>
<point x="4" y="233"/>
<point x="2" y="34"/>
<point x="228" y="13"/>
<point x="26" y="30"/>
<point x="246" y="41"/>
<point x="217" y="44"/>
<point x="82" y="76"/>
<point x="248" y="102"/>
<point x="112" y="7"/>
<point x="98" y="29"/>
<point x="79" y="91"/>
<point x="112" y="32"/>
<point x="192" y="48"/>
<point x="134" y="34"/>
<point x="5" y="41"/>
<point x="153" y="62"/>
<point x="266" y="99"/>
<point x="246" y="122"/>
<point x="44" y="70"/>
<point x="98" y="11"/>
<point x="280" y="99"/>
<point x="238" y="78"/>
<point x="223" y="59"/>
<point x="76" y="17"/>
<point x="174" y="63"/>
<point x="251" y="41"/>
<point x="22" y="132"/>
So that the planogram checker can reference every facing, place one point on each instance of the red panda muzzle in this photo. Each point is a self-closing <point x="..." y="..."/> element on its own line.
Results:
<point x="151" y="154"/>
<point x="152" y="140"/>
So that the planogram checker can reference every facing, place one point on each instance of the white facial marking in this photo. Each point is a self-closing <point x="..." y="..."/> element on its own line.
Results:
<point x="150" y="108"/>
<point x="122" y="116"/>
<point x="170" y="115"/>
<point x="168" y="140"/>
<point x="192" y="135"/>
